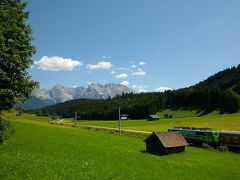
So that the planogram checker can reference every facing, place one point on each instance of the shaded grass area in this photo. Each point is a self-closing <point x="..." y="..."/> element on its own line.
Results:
<point x="38" y="151"/>
<point x="187" y="112"/>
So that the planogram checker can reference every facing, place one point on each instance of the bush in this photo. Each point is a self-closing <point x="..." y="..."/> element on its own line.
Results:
<point x="165" y="115"/>
<point x="6" y="130"/>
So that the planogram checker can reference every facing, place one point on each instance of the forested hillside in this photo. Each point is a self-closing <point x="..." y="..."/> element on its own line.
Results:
<point x="226" y="79"/>
<point x="220" y="91"/>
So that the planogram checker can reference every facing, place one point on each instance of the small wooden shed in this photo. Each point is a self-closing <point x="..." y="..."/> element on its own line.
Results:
<point x="161" y="143"/>
<point x="153" y="117"/>
<point x="124" y="116"/>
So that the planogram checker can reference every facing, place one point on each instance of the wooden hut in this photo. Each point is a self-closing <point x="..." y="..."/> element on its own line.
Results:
<point x="153" y="117"/>
<point x="161" y="143"/>
<point x="124" y="116"/>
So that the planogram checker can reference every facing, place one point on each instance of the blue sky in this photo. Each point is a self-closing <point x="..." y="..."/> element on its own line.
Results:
<point x="145" y="44"/>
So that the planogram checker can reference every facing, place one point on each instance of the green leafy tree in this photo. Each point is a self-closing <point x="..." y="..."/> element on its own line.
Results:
<point x="16" y="50"/>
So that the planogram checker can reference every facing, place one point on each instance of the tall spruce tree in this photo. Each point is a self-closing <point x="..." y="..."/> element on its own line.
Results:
<point x="16" y="50"/>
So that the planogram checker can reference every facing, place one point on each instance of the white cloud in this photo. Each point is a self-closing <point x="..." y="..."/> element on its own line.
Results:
<point x="106" y="57"/>
<point x="113" y="72"/>
<point x="139" y="73"/>
<point x="123" y="68"/>
<point x="133" y="66"/>
<point x="100" y="65"/>
<point x="123" y="75"/>
<point x="140" y="89"/>
<point x="125" y="83"/>
<point x="163" y="89"/>
<point x="56" y="63"/>
<point x="141" y="63"/>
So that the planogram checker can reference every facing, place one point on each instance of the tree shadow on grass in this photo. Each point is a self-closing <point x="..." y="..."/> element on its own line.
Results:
<point x="207" y="111"/>
<point x="144" y="151"/>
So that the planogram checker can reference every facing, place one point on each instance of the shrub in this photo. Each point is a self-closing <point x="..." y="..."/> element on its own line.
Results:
<point x="6" y="130"/>
<point x="165" y="115"/>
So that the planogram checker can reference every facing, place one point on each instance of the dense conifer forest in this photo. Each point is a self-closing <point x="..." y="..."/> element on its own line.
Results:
<point x="220" y="91"/>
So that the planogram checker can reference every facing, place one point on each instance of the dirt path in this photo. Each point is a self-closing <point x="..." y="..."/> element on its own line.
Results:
<point x="116" y="129"/>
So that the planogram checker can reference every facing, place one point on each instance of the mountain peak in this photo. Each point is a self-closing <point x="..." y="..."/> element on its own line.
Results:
<point x="59" y="93"/>
<point x="58" y="86"/>
<point x="95" y="85"/>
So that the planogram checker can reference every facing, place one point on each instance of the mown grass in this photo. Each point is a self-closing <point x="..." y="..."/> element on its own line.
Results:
<point x="217" y="122"/>
<point x="24" y="117"/>
<point x="184" y="112"/>
<point x="42" y="151"/>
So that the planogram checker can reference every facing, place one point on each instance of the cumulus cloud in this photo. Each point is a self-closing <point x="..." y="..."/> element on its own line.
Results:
<point x="142" y="91"/>
<point x="56" y="63"/>
<point x="139" y="88"/>
<point x="163" y="89"/>
<point x="100" y="65"/>
<point x="139" y="73"/>
<point x="141" y="63"/>
<point x="123" y="75"/>
<point x="133" y="66"/>
<point x="116" y="68"/>
<point x="125" y="83"/>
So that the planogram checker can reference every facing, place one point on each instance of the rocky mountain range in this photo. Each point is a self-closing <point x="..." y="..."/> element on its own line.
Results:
<point x="42" y="97"/>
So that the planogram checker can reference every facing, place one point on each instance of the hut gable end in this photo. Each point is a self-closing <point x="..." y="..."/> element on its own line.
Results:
<point x="165" y="143"/>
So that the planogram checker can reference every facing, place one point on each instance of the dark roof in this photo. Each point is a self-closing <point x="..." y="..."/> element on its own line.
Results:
<point x="154" y="116"/>
<point x="171" y="139"/>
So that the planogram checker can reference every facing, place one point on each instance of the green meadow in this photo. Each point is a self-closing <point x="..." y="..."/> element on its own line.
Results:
<point x="186" y="112"/>
<point x="39" y="150"/>
<point x="213" y="120"/>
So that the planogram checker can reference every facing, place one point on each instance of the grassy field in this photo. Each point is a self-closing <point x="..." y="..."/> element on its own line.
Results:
<point x="40" y="150"/>
<point x="215" y="121"/>
<point x="182" y="113"/>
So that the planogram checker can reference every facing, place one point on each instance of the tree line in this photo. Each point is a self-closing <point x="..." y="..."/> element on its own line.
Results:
<point x="140" y="106"/>
<point x="220" y="91"/>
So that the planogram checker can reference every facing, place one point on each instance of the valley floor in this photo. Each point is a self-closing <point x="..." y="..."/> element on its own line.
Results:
<point x="39" y="150"/>
<point x="217" y="122"/>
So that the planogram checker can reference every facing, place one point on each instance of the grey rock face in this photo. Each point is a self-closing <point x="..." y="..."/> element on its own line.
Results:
<point x="59" y="93"/>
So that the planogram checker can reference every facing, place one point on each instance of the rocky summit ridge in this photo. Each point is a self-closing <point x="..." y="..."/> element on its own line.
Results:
<point x="43" y="97"/>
